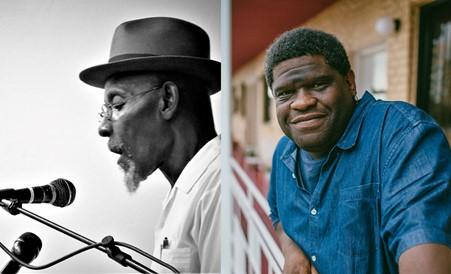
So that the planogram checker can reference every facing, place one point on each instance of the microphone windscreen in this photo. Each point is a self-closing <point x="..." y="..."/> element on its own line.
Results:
<point x="64" y="191"/>
<point x="27" y="247"/>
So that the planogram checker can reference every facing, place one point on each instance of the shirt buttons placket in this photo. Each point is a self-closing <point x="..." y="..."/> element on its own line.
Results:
<point x="314" y="230"/>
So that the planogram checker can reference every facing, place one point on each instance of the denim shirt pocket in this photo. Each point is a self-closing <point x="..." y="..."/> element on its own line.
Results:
<point x="358" y="220"/>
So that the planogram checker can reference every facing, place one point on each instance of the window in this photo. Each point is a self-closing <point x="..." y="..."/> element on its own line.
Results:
<point x="434" y="67"/>
<point x="371" y="71"/>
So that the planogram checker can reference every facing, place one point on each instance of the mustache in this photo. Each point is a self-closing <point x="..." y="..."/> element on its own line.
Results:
<point x="115" y="147"/>
<point x="119" y="148"/>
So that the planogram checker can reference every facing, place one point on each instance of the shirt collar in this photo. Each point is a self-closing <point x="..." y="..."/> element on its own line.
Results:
<point x="288" y="156"/>
<point x="198" y="165"/>
<point x="349" y="138"/>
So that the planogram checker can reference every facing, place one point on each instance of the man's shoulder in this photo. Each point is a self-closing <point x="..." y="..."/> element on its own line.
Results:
<point x="397" y="119"/>
<point x="391" y="122"/>
<point x="404" y="128"/>
<point x="401" y="113"/>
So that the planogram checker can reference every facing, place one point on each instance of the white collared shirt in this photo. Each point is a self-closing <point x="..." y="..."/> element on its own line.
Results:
<point x="190" y="219"/>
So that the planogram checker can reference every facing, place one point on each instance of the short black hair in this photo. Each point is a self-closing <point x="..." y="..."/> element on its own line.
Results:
<point x="303" y="41"/>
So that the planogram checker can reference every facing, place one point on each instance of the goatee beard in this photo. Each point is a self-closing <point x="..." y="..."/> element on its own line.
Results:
<point x="131" y="178"/>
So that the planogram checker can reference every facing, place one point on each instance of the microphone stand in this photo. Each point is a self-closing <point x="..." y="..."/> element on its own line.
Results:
<point x="14" y="208"/>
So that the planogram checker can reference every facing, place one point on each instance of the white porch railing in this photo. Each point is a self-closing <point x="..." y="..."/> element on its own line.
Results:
<point x="253" y="246"/>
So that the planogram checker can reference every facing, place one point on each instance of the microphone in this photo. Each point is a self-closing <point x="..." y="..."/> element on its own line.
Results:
<point x="25" y="248"/>
<point x="60" y="193"/>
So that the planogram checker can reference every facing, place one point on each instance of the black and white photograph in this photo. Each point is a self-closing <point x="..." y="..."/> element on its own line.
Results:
<point x="101" y="97"/>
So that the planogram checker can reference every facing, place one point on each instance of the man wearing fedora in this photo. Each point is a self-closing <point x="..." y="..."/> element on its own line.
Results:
<point x="157" y="114"/>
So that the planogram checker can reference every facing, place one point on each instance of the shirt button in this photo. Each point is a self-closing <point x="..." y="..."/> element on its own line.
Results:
<point x="313" y="258"/>
<point x="293" y="175"/>
<point x="313" y="211"/>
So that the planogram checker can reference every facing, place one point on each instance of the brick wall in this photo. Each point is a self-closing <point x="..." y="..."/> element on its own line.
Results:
<point x="352" y="21"/>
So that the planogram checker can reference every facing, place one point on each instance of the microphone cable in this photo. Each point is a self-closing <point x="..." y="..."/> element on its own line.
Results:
<point x="81" y="250"/>
<point x="72" y="254"/>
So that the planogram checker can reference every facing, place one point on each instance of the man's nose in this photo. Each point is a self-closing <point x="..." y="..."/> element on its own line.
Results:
<point x="303" y="100"/>
<point x="105" y="128"/>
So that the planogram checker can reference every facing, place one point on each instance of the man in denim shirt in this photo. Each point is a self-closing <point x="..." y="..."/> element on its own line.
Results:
<point x="357" y="186"/>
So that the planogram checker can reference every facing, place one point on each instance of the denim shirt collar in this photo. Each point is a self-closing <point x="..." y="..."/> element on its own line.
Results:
<point x="288" y="156"/>
<point x="349" y="138"/>
<point x="347" y="141"/>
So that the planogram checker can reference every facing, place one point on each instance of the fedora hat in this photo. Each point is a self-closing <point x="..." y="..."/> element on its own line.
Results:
<point x="158" y="44"/>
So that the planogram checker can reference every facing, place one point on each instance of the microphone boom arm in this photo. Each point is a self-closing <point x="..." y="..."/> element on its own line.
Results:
<point x="14" y="208"/>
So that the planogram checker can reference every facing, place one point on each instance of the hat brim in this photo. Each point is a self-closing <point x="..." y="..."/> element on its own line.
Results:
<point x="206" y="70"/>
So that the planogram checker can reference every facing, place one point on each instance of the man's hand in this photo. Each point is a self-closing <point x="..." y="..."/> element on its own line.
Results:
<point x="295" y="260"/>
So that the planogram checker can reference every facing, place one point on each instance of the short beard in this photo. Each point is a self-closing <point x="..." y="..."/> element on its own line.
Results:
<point x="131" y="178"/>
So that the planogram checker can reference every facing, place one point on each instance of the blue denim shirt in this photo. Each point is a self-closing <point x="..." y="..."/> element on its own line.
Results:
<point x="384" y="187"/>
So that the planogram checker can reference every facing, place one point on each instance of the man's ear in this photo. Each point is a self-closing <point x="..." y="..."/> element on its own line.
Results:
<point x="350" y="80"/>
<point x="169" y="100"/>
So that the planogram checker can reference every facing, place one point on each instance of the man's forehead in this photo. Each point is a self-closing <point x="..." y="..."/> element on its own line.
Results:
<point x="297" y="62"/>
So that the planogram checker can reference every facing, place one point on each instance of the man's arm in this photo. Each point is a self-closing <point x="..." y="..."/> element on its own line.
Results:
<point x="295" y="260"/>
<point x="415" y="193"/>
<point x="426" y="258"/>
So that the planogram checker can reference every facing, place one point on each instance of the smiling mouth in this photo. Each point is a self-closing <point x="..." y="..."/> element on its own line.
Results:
<point x="308" y="121"/>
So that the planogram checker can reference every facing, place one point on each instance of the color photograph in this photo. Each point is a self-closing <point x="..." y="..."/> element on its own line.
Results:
<point x="340" y="131"/>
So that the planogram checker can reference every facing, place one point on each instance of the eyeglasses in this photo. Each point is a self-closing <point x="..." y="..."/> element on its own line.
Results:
<point x="110" y="112"/>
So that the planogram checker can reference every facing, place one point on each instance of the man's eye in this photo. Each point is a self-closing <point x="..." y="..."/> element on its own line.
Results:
<point x="320" y="86"/>
<point x="284" y="94"/>
<point x="117" y="106"/>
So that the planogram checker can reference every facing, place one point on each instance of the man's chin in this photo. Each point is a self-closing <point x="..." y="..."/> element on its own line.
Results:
<point x="308" y="139"/>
